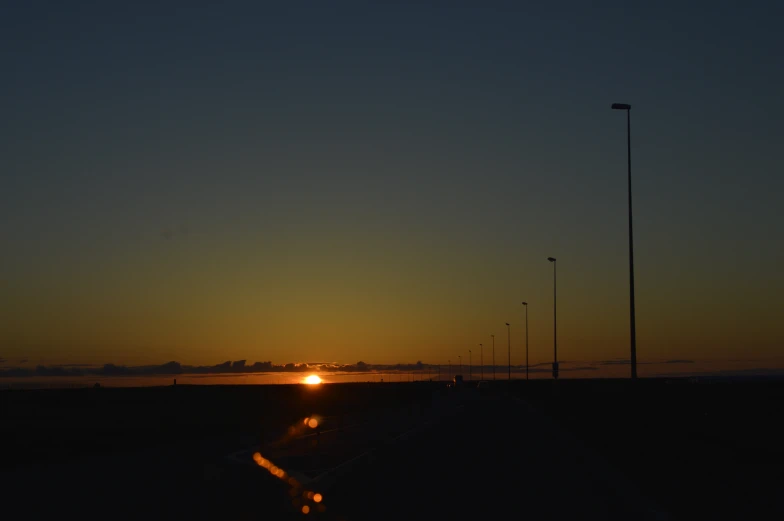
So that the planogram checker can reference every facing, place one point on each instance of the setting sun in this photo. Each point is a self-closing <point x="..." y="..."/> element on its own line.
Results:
<point x="312" y="380"/>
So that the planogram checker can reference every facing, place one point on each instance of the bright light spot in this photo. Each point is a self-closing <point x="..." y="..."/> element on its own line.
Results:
<point x="305" y="509"/>
<point x="317" y="497"/>
<point x="307" y="420"/>
<point x="313" y="423"/>
<point x="313" y="380"/>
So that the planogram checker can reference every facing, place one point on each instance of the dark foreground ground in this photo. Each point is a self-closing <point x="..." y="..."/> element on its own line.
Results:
<point x="581" y="449"/>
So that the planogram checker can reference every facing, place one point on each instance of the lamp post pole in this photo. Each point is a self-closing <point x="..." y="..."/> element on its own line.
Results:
<point x="481" y="362"/>
<point x="493" y="337"/>
<point x="509" y="347"/>
<point x="633" y="329"/>
<point x="525" y="304"/>
<point x="555" y="322"/>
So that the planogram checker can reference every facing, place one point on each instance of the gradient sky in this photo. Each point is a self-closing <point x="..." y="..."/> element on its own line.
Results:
<point x="350" y="181"/>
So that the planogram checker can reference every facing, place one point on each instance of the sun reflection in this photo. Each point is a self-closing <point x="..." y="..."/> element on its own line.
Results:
<point x="313" y="380"/>
<point x="294" y="492"/>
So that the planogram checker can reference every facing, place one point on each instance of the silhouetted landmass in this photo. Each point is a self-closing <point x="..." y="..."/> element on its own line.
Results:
<point x="227" y="367"/>
<point x="243" y="367"/>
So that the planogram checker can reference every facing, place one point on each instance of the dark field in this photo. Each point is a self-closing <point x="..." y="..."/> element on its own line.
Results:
<point x="70" y="423"/>
<point x="658" y="449"/>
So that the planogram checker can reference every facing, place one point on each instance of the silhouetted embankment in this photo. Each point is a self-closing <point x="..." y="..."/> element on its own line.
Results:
<point x="704" y="448"/>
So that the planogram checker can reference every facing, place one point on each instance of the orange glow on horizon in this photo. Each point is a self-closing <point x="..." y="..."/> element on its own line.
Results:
<point x="313" y="380"/>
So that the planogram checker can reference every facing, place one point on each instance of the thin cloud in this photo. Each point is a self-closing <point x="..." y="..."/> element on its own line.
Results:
<point x="623" y="361"/>
<point x="561" y="363"/>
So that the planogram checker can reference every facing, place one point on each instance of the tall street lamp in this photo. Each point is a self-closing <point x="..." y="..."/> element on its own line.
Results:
<point x="481" y="362"/>
<point x="525" y="304"/>
<point x="509" y="347"/>
<point x="469" y="365"/>
<point x="628" y="109"/>
<point x="555" y="322"/>
<point x="493" y="337"/>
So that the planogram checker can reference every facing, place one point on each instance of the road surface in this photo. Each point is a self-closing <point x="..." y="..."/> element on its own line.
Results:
<point x="496" y="458"/>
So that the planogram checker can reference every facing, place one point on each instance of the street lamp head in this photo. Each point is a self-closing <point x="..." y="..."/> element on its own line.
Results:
<point x="507" y="323"/>
<point x="551" y="259"/>
<point x="525" y="303"/>
<point x="621" y="106"/>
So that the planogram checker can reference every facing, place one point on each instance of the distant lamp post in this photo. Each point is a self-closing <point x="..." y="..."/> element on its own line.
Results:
<point x="450" y="370"/>
<point x="509" y="347"/>
<point x="555" y="328"/>
<point x="493" y="337"/>
<point x="481" y="362"/>
<point x="525" y="304"/>
<point x="628" y="109"/>
<point x="460" y="362"/>
<point x="469" y="365"/>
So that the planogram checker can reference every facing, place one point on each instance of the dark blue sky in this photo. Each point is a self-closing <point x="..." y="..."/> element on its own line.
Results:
<point x="387" y="160"/>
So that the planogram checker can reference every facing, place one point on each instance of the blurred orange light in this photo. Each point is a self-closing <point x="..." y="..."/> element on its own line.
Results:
<point x="313" y="423"/>
<point x="313" y="380"/>
<point x="317" y="498"/>
<point x="305" y="509"/>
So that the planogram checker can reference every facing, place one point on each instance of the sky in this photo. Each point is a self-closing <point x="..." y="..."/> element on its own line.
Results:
<point x="384" y="181"/>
